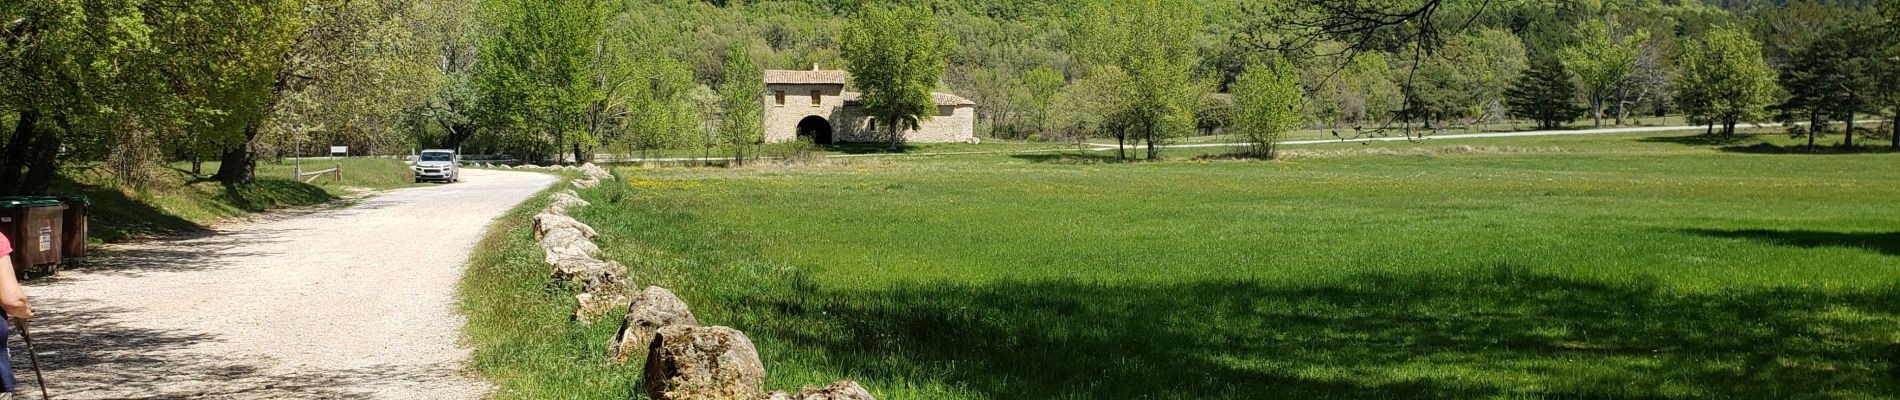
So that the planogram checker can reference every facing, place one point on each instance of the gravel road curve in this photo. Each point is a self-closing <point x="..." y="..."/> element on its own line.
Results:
<point x="354" y="302"/>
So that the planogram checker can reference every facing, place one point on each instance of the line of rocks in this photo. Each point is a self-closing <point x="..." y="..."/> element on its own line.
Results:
<point x="684" y="361"/>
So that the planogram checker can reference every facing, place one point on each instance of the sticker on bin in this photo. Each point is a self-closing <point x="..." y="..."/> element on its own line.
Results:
<point x="46" y="239"/>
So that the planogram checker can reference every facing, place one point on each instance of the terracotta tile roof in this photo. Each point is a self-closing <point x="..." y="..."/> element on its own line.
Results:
<point x="780" y="76"/>
<point x="946" y="99"/>
<point x="942" y="99"/>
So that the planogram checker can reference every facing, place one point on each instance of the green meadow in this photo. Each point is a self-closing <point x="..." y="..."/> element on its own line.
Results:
<point x="1602" y="266"/>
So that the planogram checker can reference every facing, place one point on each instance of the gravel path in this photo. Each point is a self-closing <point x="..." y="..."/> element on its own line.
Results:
<point x="354" y="302"/>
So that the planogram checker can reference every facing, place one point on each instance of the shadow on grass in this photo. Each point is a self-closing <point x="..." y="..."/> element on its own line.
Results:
<point x="1700" y="139"/>
<point x="1070" y="157"/>
<point x="1768" y="148"/>
<point x="113" y="217"/>
<point x="1502" y="331"/>
<point x="868" y="148"/>
<point x="265" y="194"/>
<point x="1884" y="242"/>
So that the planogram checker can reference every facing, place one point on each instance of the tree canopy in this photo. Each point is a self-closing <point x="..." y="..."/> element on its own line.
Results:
<point x="895" y="56"/>
<point x="1725" y="81"/>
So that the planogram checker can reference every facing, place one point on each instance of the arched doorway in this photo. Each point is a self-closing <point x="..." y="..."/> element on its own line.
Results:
<point x="816" y="128"/>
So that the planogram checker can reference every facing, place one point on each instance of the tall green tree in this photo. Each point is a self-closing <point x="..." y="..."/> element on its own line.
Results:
<point x="1152" y="43"/>
<point x="1039" y="87"/>
<point x="1268" y="102"/>
<point x="57" y="70"/>
<point x="741" y="102"/>
<point x="535" y="79"/>
<point x="448" y="29"/>
<point x="336" y="64"/>
<point x="1090" y="107"/>
<point x="1544" y="94"/>
<point x="1602" y="60"/>
<point x="1725" y="80"/>
<point x="895" y="55"/>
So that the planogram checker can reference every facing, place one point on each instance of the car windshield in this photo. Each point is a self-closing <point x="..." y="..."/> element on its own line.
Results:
<point x="438" y="157"/>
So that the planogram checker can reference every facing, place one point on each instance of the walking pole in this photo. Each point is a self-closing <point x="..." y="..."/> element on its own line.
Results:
<point x="33" y="357"/>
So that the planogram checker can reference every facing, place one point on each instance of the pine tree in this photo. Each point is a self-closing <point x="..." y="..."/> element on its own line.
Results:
<point x="1545" y="94"/>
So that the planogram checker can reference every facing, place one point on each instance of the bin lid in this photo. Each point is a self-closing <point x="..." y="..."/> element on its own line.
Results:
<point x="30" y="202"/>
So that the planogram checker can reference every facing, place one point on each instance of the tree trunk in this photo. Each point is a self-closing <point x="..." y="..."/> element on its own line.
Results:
<point x="1121" y="144"/>
<point x="1711" y="131"/>
<point x="237" y="165"/>
<point x="1849" y="136"/>
<point x="897" y="135"/>
<point x="1622" y="95"/>
<point x="44" y="164"/>
<point x="1814" y="125"/>
<point x="1596" y="111"/>
<point x="1895" y="134"/>
<point x="14" y="162"/>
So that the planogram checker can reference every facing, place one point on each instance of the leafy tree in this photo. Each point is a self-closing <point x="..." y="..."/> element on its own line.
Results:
<point x="1358" y="93"/>
<point x="449" y="28"/>
<point x="740" y="94"/>
<point x="1151" y="42"/>
<point x="534" y="79"/>
<point x="1039" y="87"/>
<point x="1602" y="61"/>
<point x="360" y="99"/>
<point x="1485" y="63"/>
<point x="56" y="68"/>
<point x="1725" y="80"/>
<point x="895" y="57"/>
<point x="1091" y="107"/>
<point x="1544" y="94"/>
<point x="1267" y="103"/>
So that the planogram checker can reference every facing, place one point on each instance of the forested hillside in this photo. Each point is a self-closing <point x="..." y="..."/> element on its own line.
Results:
<point x="138" y="83"/>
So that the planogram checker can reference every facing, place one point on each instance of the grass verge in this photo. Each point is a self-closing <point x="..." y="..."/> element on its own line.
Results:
<point x="176" y="200"/>
<point x="518" y="320"/>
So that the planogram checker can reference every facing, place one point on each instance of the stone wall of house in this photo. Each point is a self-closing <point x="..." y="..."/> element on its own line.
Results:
<point x="781" y="121"/>
<point x="952" y="124"/>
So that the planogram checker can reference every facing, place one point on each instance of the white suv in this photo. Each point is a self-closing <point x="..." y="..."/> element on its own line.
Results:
<point x="437" y="165"/>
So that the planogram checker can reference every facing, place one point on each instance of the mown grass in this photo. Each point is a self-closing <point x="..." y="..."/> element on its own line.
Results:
<point x="178" y="201"/>
<point x="1617" y="266"/>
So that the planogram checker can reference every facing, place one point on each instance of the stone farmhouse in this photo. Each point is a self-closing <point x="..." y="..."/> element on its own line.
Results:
<point x="813" y="104"/>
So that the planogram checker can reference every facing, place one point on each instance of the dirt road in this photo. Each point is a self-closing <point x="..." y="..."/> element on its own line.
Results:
<point x="345" y="303"/>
